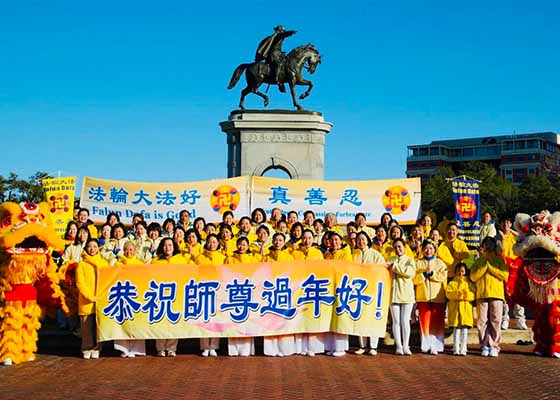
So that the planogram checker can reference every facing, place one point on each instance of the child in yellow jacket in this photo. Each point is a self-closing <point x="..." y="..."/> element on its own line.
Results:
<point x="86" y="272"/>
<point x="461" y="293"/>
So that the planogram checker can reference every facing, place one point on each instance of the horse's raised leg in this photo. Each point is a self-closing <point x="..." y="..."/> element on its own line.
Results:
<point x="293" y="93"/>
<point x="309" y="84"/>
<point x="261" y="94"/>
<point x="244" y="93"/>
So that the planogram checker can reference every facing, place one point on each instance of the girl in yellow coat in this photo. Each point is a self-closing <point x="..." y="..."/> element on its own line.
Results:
<point x="130" y="347"/>
<point x="168" y="253"/>
<point x="86" y="273"/>
<point x="193" y="246"/>
<point x="282" y="345"/>
<point x="430" y="280"/>
<point x="460" y="292"/>
<point x="211" y="255"/>
<point x="307" y="249"/>
<point x="241" y="346"/>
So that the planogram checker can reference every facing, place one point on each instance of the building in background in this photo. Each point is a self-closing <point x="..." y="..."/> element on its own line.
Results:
<point x="515" y="157"/>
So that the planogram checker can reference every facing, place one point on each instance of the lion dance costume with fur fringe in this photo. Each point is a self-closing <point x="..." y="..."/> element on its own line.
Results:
<point x="28" y="278"/>
<point x="534" y="277"/>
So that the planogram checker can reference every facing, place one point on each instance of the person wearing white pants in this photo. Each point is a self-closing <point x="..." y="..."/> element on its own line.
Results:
<point x="403" y="270"/>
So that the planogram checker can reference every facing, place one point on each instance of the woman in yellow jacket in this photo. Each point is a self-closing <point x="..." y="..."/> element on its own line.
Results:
<point x="86" y="273"/>
<point x="489" y="272"/>
<point x="461" y="293"/>
<point x="430" y="280"/>
<point x="281" y="345"/>
<point x="403" y="270"/>
<point x="130" y="347"/>
<point x="442" y="252"/>
<point x="260" y="247"/>
<point x="211" y="255"/>
<point x="380" y="242"/>
<point x="227" y="241"/>
<point x="193" y="245"/>
<point x="307" y="249"/>
<point x="397" y="232"/>
<point x="241" y="346"/>
<point x="167" y="253"/>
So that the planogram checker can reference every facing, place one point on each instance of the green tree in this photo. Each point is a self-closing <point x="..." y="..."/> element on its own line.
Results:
<point x="15" y="189"/>
<point x="540" y="193"/>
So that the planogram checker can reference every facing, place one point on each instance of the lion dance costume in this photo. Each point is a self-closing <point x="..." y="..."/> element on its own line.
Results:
<point x="28" y="278"/>
<point x="534" y="277"/>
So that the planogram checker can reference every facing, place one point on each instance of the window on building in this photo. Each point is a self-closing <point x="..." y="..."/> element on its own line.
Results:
<point x="468" y="152"/>
<point x="434" y="151"/>
<point x="508" y="145"/>
<point x="519" y="145"/>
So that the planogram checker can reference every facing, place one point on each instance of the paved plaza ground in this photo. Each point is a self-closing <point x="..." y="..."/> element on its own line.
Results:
<point x="59" y="373"/>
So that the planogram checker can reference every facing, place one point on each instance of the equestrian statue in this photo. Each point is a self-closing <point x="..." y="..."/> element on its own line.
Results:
<point x="274" y="67"/>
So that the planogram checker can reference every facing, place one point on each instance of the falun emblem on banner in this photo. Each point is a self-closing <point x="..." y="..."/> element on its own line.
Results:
<point x="225" y="198"/>
<point x="466" y="207"/>
<point x="59" y="203"/>
<point x="396" y="200"/>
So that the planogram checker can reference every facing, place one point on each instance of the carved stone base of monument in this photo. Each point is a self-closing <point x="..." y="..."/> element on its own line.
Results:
<point x="260" y="140"/>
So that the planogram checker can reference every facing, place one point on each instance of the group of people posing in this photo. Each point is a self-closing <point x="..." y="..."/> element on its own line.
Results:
<point x="429" y="270"/>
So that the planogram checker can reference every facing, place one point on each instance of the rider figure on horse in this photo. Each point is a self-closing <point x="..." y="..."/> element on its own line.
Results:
<point x="270" y="50"/>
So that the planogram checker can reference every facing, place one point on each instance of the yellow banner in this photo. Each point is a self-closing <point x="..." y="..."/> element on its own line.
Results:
<point x="158" y="201"/>
<point x="59" y="193"/>
<point x="242" y="300"/>
<point x="399" y="197"/>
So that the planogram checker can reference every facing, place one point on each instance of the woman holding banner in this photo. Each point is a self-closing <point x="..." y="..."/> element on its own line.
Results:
<point x="364" y="254"/>
<point x="309" y="343"/>
<point x="282" y="345"/>
<point x="132" y="347"/>
<point x="337" y="344"/>
<point x="241" y="346"/>
<point x="168" y="253"/>
<point x="211" y="255"/>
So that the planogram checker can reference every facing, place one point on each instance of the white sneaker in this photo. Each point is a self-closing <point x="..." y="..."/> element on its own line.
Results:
<point x="329" y="353"/>
<point x="213" y="353"/>
<point x="399" y="351"/>
<point x="359" y="351"/>
<point x="205" y="353"/>
<point x="494" y="352"/>
<point x="171" y="353"/>
<point x="463" y="351"/>
<point x="338" y="353"/>
<point x="433" y="352"/>
<point x="8" y="362"/>
<point x="131" y="355"/>
<point x="161" y="353"/>
<point x="505" y="325"/>
<point x="407" y="352"/>
<point x="485" y="352"/>
<point x="95" y="354"/>
<point x="310" y="354"/>
<point x="280" y="355"/>
<point x="521" y="325"/>
<point x="556" y="355"/>
<point x="373" y="352"/>
<point x="86" y="355"/>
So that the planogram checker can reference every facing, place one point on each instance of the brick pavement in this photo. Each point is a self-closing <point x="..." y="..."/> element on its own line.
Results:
<point x="59" y="373"/>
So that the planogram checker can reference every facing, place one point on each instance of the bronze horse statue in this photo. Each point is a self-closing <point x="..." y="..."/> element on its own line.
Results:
<point x="291" y="67"/>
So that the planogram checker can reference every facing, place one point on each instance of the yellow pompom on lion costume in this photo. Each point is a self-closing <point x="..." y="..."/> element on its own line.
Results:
<point x="28" y="277"/>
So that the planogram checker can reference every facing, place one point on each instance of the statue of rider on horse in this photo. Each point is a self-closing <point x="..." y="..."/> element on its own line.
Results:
<point x="274" y="67"/>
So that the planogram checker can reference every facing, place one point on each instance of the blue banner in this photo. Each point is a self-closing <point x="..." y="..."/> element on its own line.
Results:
<point x="466" y="197"/>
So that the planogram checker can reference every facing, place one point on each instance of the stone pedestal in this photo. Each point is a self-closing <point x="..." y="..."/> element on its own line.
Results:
<point x="260" y="140"/>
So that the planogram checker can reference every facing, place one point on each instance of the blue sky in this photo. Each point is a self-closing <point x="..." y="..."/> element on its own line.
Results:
<point x="135" y="90"/>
